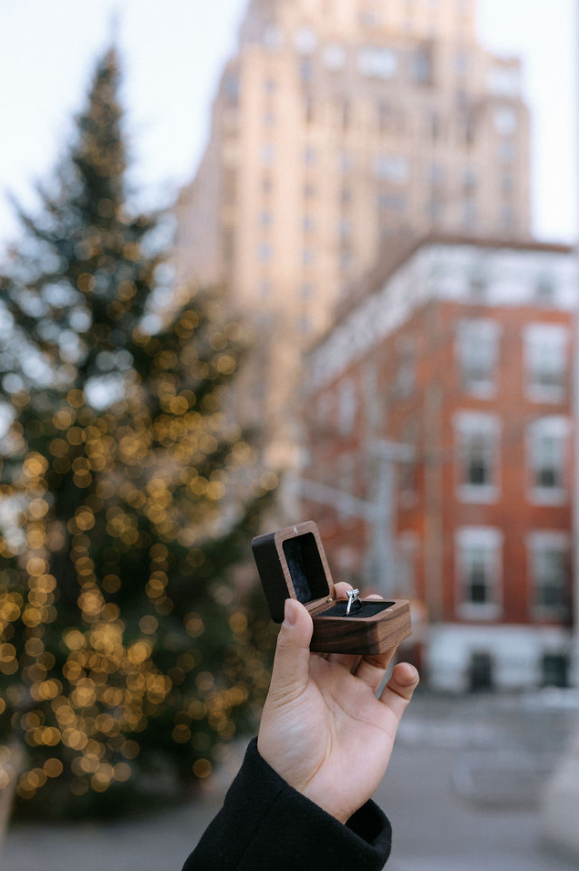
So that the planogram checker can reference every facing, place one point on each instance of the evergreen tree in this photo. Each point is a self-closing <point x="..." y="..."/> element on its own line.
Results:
<point x="122" y="646"/>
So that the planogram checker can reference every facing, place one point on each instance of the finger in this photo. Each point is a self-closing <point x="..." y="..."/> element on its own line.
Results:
<point x="341" y="590"/>
<point x="371" y="669"/>
<point x="349" y="661"/>
<point x="399" y="689"/>
<point x="292" y="655"/>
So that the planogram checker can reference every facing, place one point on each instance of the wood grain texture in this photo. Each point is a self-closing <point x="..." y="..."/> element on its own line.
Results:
<point x="292" y="564"/>
<point x="360" y="635"/>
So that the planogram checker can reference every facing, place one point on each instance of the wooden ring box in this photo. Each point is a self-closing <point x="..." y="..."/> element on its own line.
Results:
<point x="292" y="564"/>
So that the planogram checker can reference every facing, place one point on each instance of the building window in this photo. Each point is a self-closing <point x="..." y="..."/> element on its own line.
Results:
<point x="435" y="174"/>
<point x="434" y="210"/>
<point x="309" y="155"/>
<point x="545" y="290"/>
<point x="477" y="351"/>
<point x="347" y="407"/>
<point x="421" y="67"/>
<point x="477" y="437"/>
<point x="346" y="162"/>
<point x="434" y="124"/>
<point x="305" y="40"/>
<point x="481" y="668"/>
<point x="555" y="670"/>
<point x="550" y="573"/>
<point x="479" y="561"/>
<point x="469" y="212"/>
<point x="406" y="367"/>
<point x="507" y="151"/>
<point x="391" y="168"/>
<point x="345" y="228"/>
<point x="461" y="63"/>
<point x="267" y="153"/>
<point x="264" y="252"/>
<point x="334" y="57"/>
<point x="231" y="88"/>
<point x="406" y="560"/>
<point x="505" y="121"/>
<point x="547" y="450"/>
<point x="346" y="259"/>
<point x="389" y="202"/>
<point x="408" y="468"/>
<point x="272" y="37"/>
<point x="546" y="361"/>
<point x="507" y="185"/>
<point x="345" y="196"/>
<point x="478" y="286"/>
<point x="469" y="179"/>
<point x="380" y="63"/>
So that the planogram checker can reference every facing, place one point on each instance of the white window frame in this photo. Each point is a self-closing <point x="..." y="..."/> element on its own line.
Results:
<point x="554" y="427"/>
<point x="540" y="336"/>
<point x="490" y="540"/>
<point x="541" y="541"/>
<point x="469" y="332"/>
<point x="466" y="425"/>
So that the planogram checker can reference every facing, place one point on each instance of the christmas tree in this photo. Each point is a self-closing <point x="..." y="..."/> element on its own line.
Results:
<point x="123" y="646"/>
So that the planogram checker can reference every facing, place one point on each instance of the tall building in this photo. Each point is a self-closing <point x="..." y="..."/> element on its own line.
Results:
<point x="340" y="129"/>
<point x="340" y="126"/>
<point x="439" y="455"/>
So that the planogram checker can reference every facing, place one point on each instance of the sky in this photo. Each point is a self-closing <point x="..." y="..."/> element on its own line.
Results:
<point x="173" y="51"/>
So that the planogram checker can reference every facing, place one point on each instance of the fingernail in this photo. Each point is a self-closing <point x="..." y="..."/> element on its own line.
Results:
<point x="289" y="613"/>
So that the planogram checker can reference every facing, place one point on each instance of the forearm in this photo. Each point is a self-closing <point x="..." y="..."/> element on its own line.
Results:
<point x="266" y="824"/>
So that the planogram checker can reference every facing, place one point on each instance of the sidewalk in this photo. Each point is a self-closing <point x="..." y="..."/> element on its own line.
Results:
<point x="450" y="810"/>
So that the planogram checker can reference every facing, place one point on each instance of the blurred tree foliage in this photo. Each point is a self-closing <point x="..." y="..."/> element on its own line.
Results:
<point x="123" y="648"/>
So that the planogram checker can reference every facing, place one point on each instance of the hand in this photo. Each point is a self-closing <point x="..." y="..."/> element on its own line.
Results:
<point x="323" y="729"/>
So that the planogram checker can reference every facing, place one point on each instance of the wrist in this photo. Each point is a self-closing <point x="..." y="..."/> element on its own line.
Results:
<point x="324" y="800"/>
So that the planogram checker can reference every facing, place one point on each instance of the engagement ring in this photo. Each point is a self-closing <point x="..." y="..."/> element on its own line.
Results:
<point x="353" y="597"/>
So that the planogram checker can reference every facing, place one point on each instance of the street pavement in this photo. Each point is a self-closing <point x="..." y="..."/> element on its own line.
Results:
<point x="462" y="793"/>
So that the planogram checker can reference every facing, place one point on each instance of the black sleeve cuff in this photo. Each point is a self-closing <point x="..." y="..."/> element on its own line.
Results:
<point x="265" y="824"/>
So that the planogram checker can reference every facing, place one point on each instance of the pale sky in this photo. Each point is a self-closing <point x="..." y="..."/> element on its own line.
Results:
<point x="173" y="51"/>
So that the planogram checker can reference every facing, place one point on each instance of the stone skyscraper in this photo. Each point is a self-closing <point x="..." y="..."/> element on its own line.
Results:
<point x="339" y="128"/>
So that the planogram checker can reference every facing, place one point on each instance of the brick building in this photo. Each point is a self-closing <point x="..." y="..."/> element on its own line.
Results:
<point x="440" y="405"/>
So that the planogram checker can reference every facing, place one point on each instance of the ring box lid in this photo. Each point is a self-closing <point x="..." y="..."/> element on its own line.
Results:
<point x="292" y="564"/>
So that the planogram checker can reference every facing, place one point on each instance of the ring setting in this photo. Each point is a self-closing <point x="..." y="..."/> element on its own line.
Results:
<point x="353" y="599"/>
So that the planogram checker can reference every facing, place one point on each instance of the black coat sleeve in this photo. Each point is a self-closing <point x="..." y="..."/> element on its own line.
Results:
<point x="265" y="824"/>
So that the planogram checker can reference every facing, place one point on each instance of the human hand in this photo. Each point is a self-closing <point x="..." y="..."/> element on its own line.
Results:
<point x="323" y="729"/>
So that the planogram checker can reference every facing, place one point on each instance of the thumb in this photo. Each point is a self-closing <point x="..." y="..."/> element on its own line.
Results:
<point x="291" y="665"/>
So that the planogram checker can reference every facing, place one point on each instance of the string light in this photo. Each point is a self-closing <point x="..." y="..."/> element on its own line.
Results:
<point x="119" y="631"/>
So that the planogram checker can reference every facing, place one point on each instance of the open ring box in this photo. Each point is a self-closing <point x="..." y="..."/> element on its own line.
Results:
<point x="292" y="564"/>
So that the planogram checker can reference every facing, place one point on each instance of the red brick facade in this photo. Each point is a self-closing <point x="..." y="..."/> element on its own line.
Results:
<point x="474" y="377"/>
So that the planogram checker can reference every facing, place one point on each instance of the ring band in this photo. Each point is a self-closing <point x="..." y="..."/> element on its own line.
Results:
<point x="353" y="596"/>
